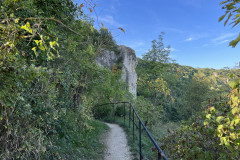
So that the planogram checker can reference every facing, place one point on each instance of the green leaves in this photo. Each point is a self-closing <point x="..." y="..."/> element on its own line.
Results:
<point x="39" y="92"/>
<point x="222" y="17"/>
<point x="219" y="133"/>
<point x="236" y="121"/>
<point x="229" y="16"/>
<point x="158" y="53"/>
<point x="233" y="11"/>
<point x="235" y="42"/>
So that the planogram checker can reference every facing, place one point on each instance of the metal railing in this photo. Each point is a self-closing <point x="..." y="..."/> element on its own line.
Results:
<point x="139" y="127"/>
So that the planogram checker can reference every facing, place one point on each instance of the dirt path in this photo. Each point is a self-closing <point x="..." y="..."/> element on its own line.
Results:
<point x="116" y="144"/>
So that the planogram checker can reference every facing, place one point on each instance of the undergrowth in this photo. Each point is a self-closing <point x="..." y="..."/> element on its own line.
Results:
<point x="84" y="144"/>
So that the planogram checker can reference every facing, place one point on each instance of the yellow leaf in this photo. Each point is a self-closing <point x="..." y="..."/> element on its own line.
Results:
<point x="212" y="109"/>
<point x="220" y="127"/>
<point x="102" y="24"/>
<point x="35" y="52"/>
<point x="121" y="29"/>
<point x="42" y="47"/>
<point x="36" y="41"/>
<point x="81" y="6"/>
<point x="16" y="20"/>
<point x="27" y="27"/>
<point x="91" y="28"/>
<point x="90" y="9"/>
<point x="28" y="24"/>
<point x="208" y="116"/>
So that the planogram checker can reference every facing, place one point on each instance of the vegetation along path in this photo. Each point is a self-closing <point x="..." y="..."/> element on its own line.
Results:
<point x="116" y="144"/>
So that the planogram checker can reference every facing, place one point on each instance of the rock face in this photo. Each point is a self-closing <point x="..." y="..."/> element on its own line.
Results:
<point x="129" y="60"/>
<point x="107" y="59"/>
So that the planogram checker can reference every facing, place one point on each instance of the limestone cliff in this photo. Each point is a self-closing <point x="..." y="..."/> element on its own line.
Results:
<point x="129" y="62"/>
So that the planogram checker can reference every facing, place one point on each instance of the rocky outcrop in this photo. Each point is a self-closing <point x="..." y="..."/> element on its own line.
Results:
<point x="129" y="74"/>
<point x="107" y="59"/>
<point x="129" y="62"/>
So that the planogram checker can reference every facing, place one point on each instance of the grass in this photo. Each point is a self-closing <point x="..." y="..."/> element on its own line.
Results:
<point x="82" y="145"/>
<point x="95" y="148"/>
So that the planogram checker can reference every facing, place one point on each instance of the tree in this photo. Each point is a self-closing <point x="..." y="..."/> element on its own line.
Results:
<point x="158" y="53"/>
<point x="233" y="14"/>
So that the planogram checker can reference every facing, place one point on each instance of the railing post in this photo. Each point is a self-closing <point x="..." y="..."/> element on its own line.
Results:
<point x="124" y="114"/>
<point x="140" y="140"/>
<point x="133" y="124"/>
<point x="129" y="116"/>
<point x="159" y="156"/>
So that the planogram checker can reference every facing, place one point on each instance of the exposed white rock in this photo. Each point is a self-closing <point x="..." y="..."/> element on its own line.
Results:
<point x="106" y="59"/>
<point x="129" y="64"/>
<point x="109" y="58"/>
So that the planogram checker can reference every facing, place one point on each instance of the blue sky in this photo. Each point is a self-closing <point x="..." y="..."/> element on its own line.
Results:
<point x="191" y="28"/>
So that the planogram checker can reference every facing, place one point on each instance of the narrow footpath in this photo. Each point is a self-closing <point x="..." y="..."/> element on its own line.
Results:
<point x="116" y="144"/>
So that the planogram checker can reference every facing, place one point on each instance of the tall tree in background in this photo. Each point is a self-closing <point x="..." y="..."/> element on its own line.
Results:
<point x="158" y="53"/>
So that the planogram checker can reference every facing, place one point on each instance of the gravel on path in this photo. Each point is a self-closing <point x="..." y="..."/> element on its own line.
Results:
<point x="116" y="144"/>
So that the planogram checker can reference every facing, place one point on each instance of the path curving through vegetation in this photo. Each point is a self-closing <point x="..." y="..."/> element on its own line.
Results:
<point x="116" y="144"/>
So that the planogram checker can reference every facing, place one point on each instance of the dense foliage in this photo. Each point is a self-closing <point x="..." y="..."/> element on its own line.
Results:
<point x="170" y="94"/>
<point x="49" y="80"/>
<point x="179" y="90"/>
<point x="214" y="134"/>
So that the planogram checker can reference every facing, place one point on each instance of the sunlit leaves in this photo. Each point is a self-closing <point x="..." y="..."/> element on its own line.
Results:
<point x="208" y="116"/>
<point x="35" y="51"/>
<point x="235" y="110"/>
<point x="227" y="118"/>
<point x="156" y="86"/>
<point x="236" y="121"/>
<point x="233" y="84"/>
<point x="53" y="44"/>
<point x="219" y="119"/>
<point x="27" y="27"/>
<point x="219" y="133"/>
<point x="212" y="110"/>
<point x="91" y="28"/>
